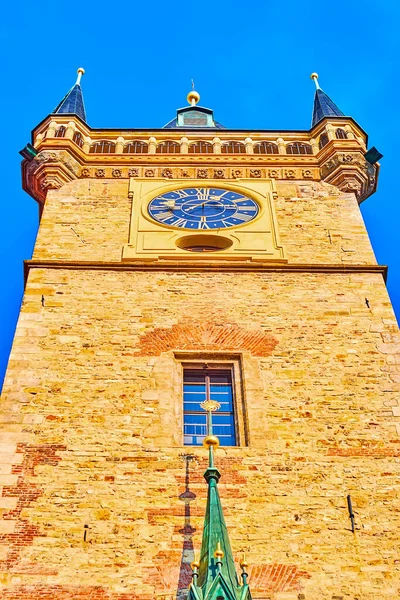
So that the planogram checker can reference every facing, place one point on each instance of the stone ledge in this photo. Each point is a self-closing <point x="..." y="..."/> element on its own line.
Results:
<point x="227" y="266"/>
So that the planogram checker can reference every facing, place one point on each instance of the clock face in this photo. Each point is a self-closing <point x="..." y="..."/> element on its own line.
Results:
<point x="202" y="208"/>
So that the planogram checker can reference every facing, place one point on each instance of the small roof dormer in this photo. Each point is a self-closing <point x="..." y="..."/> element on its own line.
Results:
<point x="194" y="116"/>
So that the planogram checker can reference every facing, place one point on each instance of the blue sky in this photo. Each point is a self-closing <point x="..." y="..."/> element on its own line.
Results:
<point x="250" y="61"/>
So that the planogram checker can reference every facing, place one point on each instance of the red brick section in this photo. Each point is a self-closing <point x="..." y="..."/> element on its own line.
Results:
<point x="197" y="335"/>
<point x="365" y="448"/>
<point x="276" y="578"/>
<point x="26" y="492"/>
<point x="363" y="452"/>
<point x="229" y="466"/>
<point x="58" y="592"/>
<point x="262" y="579"/>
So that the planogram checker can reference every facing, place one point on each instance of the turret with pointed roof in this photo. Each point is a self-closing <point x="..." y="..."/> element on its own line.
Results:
<point x="323" y="105"/>
<point x="72" y="103"/>
<point x="215" y="575"/>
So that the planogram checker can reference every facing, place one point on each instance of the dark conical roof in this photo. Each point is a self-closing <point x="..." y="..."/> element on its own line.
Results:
<point x="323" y="107"/>
<point x="72" y="103"/>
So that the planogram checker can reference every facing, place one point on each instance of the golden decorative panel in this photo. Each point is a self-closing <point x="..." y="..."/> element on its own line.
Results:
<point x="254" y="240"/>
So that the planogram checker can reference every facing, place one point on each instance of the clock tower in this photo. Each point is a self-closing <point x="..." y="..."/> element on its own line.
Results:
<point x="193" y="286"/>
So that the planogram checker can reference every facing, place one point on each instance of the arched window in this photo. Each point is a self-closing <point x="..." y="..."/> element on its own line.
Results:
<point x="298" y="148"/>
<point x="102" y="147"/>
<point x="201" y="148"/>
<point x="168" y="147"/>
<point x="265" y="148"/>
<point x="60" y="132"/>
<point x="323" y="140"/>
<point x="136" y="148"/>
<point x="78" y="139"/>
<point x="233" y="148"/>
<point x="341" y="134"/>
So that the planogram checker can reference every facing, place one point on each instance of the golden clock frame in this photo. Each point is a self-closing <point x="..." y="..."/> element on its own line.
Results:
<point x="256" y="240"/>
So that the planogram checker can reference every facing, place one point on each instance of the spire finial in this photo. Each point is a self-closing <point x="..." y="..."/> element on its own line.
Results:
<point x="323" y="105"/>
<point x="80" y="72"/>
<point x="314" y="77"/>
<point x="193" y="97"/>
<point x="216" y="570"/>
<point x="210" y="441"/>
<point x="243" y="565"/>
<point x="195" y="565"/>
<point x="72" y="103"/>
<point x="219" y="555"/>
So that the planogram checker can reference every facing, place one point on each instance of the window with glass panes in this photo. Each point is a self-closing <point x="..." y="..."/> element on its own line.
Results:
<point x="208" y="384"/>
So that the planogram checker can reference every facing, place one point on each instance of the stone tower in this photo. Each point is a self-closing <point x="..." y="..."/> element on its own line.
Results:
<point x="186" y="265"/>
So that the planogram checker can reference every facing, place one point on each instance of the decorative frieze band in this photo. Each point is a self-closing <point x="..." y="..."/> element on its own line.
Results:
<point x="200" y="173"/>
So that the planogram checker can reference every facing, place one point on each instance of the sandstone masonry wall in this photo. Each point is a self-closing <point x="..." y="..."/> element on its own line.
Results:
<point x="99" y="498"/>
<point x="92" y="421"/>
<point x="89" y="220"/>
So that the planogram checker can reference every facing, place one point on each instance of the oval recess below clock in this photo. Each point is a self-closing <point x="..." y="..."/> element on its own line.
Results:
<point x="203" y="243"/>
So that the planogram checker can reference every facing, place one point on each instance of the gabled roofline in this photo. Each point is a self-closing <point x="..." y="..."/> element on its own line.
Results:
<point x="196" y="107"/>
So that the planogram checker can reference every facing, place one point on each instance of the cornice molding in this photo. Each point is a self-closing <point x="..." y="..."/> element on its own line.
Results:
<point x="339" y="162"/>
<point x="199" y="266"/>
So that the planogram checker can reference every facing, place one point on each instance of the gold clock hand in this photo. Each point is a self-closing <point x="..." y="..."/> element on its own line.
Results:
<point x="170" y="204"/>
<point x="203" y="203"/>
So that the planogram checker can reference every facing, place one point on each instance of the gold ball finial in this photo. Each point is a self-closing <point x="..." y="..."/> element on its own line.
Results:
<point x="80" y="72"/>
<point x="314" y="76"/>
<point x="195" y="565"/>
<point x="219" y="553"/>
<point x="243" y="563"/>
<point x="211" y="440"/>
<point x="193" y="97"/>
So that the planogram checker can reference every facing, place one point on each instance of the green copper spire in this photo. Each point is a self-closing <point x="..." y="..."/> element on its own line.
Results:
<point x="215" y="577"/>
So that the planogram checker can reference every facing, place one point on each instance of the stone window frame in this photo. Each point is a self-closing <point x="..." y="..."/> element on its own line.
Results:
<point x="323" y="140"/>
<point x="78" y="139"/>
<point x="299" y="148"/>
<point x="102" y="147"/>
<point x="265" y="147"/>
<point x="136" y="147"/>
<point x="341" y="134"/>
<point x="60" y="132"/>
<point x="201" y="147"/>
<point x="168" y="147"/>
<point x="233" y="147"/>
<point x="222" y="361"/>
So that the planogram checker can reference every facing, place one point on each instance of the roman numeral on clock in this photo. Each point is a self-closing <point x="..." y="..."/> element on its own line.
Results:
<point x="180" y="223"/>
<point x="243" y="217"/>
<point x="165" y="214"/>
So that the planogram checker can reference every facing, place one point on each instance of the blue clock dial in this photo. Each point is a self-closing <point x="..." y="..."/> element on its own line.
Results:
<point x="202" y="208"/>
